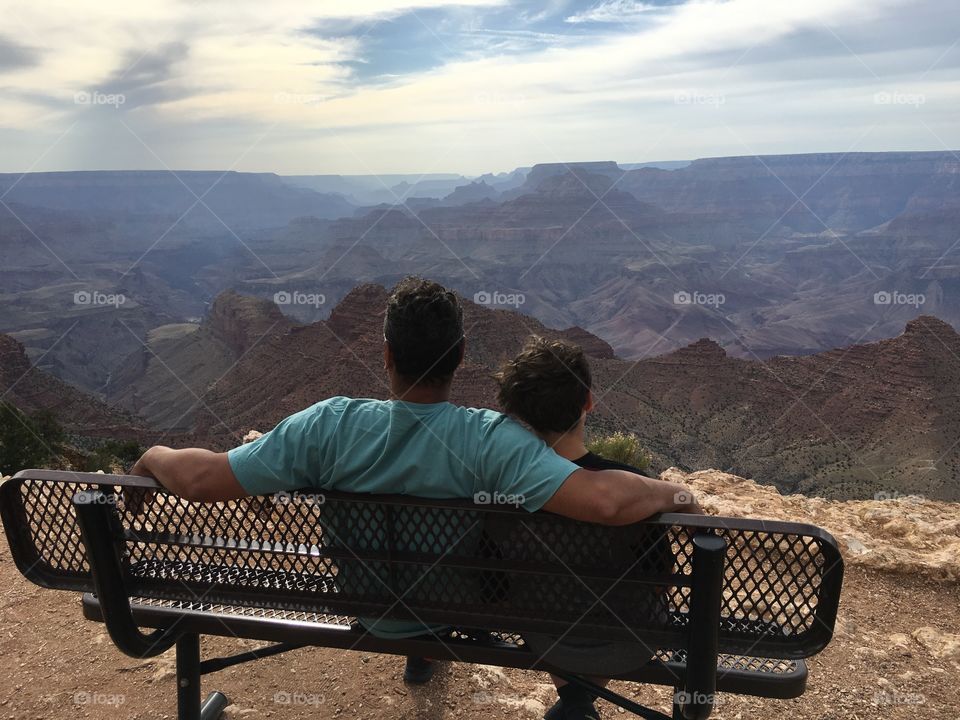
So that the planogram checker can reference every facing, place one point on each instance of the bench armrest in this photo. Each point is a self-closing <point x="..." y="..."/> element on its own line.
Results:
<point x="96" y="515"/>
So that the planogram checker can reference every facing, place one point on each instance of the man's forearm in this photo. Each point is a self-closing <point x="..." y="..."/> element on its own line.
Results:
<point x="637" y="497"/>
<point x="191" y="473"/>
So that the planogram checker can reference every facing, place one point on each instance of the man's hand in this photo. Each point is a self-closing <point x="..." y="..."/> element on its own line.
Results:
<point x="135" y="498"/>
<point x="686" y="502"/>
<point x="139" y="469"/>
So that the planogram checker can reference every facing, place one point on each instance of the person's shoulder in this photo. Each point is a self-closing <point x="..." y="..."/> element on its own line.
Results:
<point x="341" y="402"/>
<point x="487" y="421"/>
<point x="592" y="461"/>
<point x="482" y="416"/>
<point x="340" y="405"/>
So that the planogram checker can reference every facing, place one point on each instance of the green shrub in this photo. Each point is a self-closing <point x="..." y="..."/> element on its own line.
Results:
<point x="26" y="441"/>
<point x="621" y="447"/>
<point x="112" y="456"/>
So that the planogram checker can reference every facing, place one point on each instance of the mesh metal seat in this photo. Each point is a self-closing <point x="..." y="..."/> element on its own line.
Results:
<point x="300" y="569"/>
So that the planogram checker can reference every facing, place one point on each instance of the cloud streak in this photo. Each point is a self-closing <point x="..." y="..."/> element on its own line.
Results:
<point x="13" y="55"/>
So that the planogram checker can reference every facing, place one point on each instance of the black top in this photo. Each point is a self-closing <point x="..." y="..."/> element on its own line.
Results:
<point x="590" y="461"/>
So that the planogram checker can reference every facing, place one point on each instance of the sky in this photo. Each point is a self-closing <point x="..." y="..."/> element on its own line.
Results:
<point x="427" y="86"/>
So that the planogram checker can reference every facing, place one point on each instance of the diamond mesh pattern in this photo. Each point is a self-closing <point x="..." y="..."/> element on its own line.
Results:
<point x="741" y="663"/>
<point x="472" y="566"/>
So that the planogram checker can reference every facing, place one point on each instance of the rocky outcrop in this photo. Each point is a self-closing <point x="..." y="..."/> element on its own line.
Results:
<point x="851" y="423"/>
<point x="241" y="320"/>
<point x="904" y="534"/>
<point x="33" y="391"/>
<point x="343" y="356"/>
<point x="13" y="361"/>
<point x="360" y="312"/>
<point x="591" y="344"/>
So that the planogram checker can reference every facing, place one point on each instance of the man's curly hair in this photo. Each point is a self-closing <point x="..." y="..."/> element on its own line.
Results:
<point x="546" y="385"/>
<point x="424" y="328"/>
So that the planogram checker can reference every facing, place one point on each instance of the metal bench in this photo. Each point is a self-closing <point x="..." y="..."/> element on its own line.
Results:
<point x="735" y="608"/>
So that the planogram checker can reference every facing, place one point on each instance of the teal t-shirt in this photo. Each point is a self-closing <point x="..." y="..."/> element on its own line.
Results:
<point x="436" y="450"/>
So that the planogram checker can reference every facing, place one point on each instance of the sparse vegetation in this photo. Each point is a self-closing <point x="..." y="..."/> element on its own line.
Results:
<point x="622" y="447"/>
<point x="26" y="440"/>
<point x="112" y="456"/>
<point x="38" y="441"/>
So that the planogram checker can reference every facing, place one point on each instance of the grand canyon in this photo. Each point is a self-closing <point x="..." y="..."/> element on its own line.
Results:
<point x="787" y="318"/>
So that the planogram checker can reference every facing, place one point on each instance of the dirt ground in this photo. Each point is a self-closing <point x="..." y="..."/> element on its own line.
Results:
<point x="54" y="664"/>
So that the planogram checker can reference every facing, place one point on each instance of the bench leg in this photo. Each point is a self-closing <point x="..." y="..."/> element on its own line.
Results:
<point x="188" y="684"/>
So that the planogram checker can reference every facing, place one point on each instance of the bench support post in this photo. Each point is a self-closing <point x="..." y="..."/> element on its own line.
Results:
<point x="188" y="684"/>
<point x="706" y="594"/>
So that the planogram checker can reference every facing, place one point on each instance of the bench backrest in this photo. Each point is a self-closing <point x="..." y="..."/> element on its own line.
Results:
<point x="445" y="562"/>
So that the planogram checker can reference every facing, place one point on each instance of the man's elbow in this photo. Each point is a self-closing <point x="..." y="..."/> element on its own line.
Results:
<point x="206" y="482"/>
<point x="607" y="506"/>
<point x="191" y="487"/>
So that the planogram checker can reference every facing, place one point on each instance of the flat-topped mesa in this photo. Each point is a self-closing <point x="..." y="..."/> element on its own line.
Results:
<point x="924" y="342"/>
<point x="703" y="352"/>
<point x="591" y="344"/>
<point x="928" y="326"/>
<point x="540" y="172"/>
<point x="360" y="307"/>
<point x="472" y="192"/>
<point x="239" y="321"/>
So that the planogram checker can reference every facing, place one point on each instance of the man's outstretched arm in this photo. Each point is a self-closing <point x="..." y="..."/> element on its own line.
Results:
<point x="191" y="473"/>
<point x="618" y="497"/>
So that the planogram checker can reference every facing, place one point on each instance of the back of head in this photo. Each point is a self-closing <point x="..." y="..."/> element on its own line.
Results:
<point x="424" y="329"/>
<point x="546" y="385"/>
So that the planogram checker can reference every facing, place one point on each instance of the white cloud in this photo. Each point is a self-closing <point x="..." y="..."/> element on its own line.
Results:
<point x="611" y="11"/>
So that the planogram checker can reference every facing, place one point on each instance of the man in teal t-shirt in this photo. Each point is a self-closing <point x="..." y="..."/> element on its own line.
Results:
<point x="392" y="447"/>
<point x="417" y="443"/>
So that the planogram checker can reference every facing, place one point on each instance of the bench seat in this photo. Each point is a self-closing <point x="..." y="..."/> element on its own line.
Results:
<point x="743" y="675"/>
<point x="698" y="603"/>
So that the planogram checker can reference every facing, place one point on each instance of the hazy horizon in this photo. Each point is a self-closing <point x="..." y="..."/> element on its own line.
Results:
<point x="416" y="173"/>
